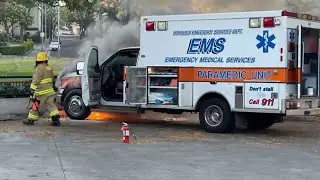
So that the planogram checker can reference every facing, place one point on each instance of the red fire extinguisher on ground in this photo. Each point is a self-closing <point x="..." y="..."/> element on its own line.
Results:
<point x="125" y="133"/>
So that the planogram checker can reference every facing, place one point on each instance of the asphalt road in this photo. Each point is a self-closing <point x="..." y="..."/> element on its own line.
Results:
<point x="171" y="149"/>
<point x="69" y="47"/>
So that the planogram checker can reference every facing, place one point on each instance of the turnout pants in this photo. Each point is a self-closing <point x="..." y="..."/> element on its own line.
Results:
<point x="48" y="102"/>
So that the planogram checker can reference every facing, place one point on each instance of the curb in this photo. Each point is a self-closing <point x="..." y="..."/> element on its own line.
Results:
<point x="11" y="117"/>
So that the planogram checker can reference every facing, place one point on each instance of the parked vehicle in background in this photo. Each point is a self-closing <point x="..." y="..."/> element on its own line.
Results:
<point x="54" y="45"/>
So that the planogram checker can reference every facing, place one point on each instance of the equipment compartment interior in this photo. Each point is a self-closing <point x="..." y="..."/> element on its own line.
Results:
<point x="163" y="86"/>
<point x="310" y="69"/>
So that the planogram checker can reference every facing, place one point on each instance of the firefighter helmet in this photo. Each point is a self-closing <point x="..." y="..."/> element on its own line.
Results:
<point x="42" y="56"/>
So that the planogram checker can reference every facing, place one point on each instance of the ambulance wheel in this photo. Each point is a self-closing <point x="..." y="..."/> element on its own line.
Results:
<point x="74" y="106"/>
<point x="216" y="117"/>
<point x="261" y="121"/>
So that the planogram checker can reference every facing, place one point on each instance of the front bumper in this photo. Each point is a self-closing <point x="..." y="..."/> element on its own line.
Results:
<point x="58" y="98"/>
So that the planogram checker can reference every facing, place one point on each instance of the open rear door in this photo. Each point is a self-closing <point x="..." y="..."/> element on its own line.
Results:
<point x="300" y="59"/>
<point x="135" y="85"/>
<point x="90" y="81"/>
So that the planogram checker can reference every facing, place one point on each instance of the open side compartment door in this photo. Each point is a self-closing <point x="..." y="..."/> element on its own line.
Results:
<point x="135" y="90"/>
<point x="300" y="60"/>
<point x="90" y="81"/>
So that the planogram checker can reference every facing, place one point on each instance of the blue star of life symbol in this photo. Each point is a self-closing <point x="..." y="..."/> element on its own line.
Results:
<point x="265" y="41"/>
<point x="291" y="35"/>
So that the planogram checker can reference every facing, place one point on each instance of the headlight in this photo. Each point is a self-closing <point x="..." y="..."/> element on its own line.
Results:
<point x="61" y="90"/>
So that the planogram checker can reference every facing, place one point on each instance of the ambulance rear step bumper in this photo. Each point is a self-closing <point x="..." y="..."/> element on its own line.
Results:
<point x="303" y="112"/>
<point x="303" y="107"/>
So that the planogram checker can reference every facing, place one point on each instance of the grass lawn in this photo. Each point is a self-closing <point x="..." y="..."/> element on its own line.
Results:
<point x="25" y="66"/>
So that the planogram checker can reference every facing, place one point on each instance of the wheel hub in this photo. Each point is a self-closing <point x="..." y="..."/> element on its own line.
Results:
<point x="75" y="104"/>
<point x="213" y="115"/>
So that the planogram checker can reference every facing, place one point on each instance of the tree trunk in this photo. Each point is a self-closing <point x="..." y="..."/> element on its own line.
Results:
<point x="7" y="29"/>
<point x="51" y="28"/>
<point x="12" y="31"/>
<point x="22" y="32"/>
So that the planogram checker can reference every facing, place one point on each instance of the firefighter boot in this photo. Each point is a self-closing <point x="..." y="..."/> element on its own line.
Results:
<point x="55" y="120"/>
<point x="28" y="122"/>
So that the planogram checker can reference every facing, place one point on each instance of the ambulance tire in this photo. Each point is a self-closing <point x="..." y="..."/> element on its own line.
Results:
<point x="75" y="96"/>
<point x="260" y="121"/>
<point x="216" y="108"/>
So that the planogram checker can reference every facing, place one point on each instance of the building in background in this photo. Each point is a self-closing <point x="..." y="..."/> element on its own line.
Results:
<point x="32" y="29"/>
<point x="75" y="28"/>
<point x="36" y="26"/>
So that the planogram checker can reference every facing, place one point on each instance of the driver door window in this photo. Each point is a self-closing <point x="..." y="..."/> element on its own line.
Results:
<point x="124" y="58"/>
<point x="93" y="62"/>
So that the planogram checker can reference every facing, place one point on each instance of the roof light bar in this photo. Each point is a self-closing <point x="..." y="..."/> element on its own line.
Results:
<point x="269" y="22"/>
<point x="162" y="25"/>
<point x="150" y="26"/>
<point x="254" y="22"/>
<point x="290" y="14"/>
<point x="302" y="16"/>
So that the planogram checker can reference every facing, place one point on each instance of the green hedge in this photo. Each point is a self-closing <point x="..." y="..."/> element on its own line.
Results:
<point x="19" y="49"/>
<point x="28" y="44"/>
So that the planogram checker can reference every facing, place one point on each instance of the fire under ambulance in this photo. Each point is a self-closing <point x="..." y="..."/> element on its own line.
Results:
<point x="258" y="66"/>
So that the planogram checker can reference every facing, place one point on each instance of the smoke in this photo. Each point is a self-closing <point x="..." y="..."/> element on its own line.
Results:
<point x="114" y="36"/>
<point x="68" y="68"/>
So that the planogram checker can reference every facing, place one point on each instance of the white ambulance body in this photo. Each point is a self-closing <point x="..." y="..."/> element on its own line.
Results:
<point x="258" y="65"/>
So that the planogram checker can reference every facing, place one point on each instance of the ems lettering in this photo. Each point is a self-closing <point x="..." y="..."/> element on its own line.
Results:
<point x="267" y="102"/>
<point x="181" y="59"/>
<point x="261" y="75"/>
<point x="264" y="102"/>
<point x="181" y="33"/>
<point x="254" y="101"/>
<point x="206" y="46"/>
<point x="254" y="88"/>
<point x="237" y="31"/>
<point x="268" y="89"/>
<point x="211" y="60"/>
<point x="227" y="75"/>
<point x="241" y="60"/>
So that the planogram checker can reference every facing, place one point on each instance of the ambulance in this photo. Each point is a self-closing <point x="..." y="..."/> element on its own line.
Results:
<point x="254" y="66"/>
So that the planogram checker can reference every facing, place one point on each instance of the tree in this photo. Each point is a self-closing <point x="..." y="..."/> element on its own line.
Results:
<point x="27" y="3"/>
<point x="113" y="9"/>
<point x="84" y="18"/>
<point x="83" y="10"/>
<point x="26" y="19"/>
<point x="68" y="16"/>
<point x="9" y="16"/>
<point x="71" y="4"/>
<point x="52" y="21"/>
<point x="12" y="15"/>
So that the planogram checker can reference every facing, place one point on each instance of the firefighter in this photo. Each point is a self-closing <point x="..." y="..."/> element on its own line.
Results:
<point x="42" y="90"/>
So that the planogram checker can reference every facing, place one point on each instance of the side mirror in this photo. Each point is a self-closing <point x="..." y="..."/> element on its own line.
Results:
<point x="80" y="66"/>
